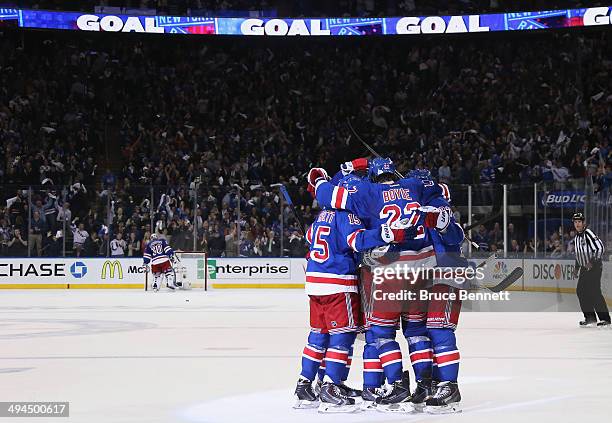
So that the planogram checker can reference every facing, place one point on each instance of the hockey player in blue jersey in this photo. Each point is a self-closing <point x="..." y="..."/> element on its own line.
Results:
<point x="335" y="315"/>
<point x="160" y="256"/>
<point x="390" y="200"/>
<point x="433" y="333"/>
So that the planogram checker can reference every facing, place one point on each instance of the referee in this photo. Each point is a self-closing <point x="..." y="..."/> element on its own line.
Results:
<point x="589" y="250"/>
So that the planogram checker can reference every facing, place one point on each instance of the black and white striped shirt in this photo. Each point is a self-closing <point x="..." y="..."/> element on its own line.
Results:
<point x="588" y="247"/>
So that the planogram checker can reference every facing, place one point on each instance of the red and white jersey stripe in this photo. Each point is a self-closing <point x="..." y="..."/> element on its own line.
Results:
<point x="320" y="283"/>
<point x="313" y="354"/>
<point x="339" y="197"/>
<point x="446" y="358"/>
<point x="351" y="240"/>
<point x="309" y="234"/>
<point x="425" y="257"/>
<point x="372" y="365"/>
<point x="421" y="356"/>
<point x="338" y="356"/>
<point x="390" y="357"/>
<point x="445" y="192"/>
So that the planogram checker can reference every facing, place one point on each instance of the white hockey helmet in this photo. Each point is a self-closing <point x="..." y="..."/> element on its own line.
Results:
<point x="154" y="236"/>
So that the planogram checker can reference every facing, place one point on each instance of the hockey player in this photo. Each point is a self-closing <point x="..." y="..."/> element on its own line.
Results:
<point x="390" y="200"/>
<point x="433" y="332"/>
<point x="160" y="256"/>
<point x="331" y="284"/>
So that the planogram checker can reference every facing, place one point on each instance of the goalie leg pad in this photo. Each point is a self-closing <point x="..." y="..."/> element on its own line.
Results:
<point x="373" y="375"/>
<point x="445" y="354"/>
<point x="388" y="351"/>
<point x="313" y="354"/>
<point x="157" y="279"/>
<point x="337" y="354"/>
<point x="170" y="278"/>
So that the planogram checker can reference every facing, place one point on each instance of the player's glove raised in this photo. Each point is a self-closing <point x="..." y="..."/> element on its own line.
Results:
<point x="315" y="175"/>
<point x="360" y="164"/>
<point x="438" y="218"/>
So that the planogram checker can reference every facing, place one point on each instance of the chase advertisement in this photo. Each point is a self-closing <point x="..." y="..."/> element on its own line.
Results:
<point x="407" y="25"/>
<point x="72" y="273"/>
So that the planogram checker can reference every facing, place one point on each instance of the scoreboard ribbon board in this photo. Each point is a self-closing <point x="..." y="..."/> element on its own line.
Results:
<point x="396" y="26"/>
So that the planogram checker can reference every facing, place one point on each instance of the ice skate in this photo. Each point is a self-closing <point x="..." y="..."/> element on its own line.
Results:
<point x="317" y="386"/>
<point x="422" y="393"/>
<point x="305" y="395"/>
<point x="603" y="324"/>
<point x="368" y="398"/>
<point x="397" y="400"/>
<point x="351" y="392"/>
<point x="334" y="400"/>
<point x="587" y="324"/>
<point x="445" y="399"/>
<point x="155" y="287"/>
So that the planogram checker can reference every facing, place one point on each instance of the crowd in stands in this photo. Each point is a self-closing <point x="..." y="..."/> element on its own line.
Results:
<point x="322" y="8"/>
<point x="205" y="130"/>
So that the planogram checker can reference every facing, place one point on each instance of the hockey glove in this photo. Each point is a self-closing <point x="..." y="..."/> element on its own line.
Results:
<point x="315" y="175"/>
<point x="438" y="218"/>
<point x="360" y="164"/>
<point x="396" y="235"/>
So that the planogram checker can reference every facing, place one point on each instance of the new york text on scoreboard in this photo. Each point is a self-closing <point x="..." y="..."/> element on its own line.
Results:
<point x="407" y="25"/>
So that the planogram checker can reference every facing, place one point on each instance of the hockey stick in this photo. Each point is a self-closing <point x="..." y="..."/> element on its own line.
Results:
<point x="297" y="215"/>
<point x="371" y="150"/>
<point x="514" y="276"/>
<point x="506" y="282"/>
<point x="366" y="145"/>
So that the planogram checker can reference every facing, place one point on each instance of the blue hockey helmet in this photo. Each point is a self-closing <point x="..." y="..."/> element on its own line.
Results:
<point x="422" y="174"/>
<point x="349" y="180"/>
<point x="380" y="166"/>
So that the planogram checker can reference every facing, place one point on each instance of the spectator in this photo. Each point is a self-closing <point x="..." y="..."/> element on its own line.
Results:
<point x="55" y="244"/>
<point x="92" y="245"/>
<point x="35" y="237"/>
<point x="297" y="246"/>
<point x="216" y="244"/>
<point x="118" y="246"/>
<point x="6" y="234"/>
<point x="17" y="247"/>
<point x="134" y="248"/>
<point x="64" y="216"/>
<point x="481" y="238"/>
<point x="80" y="236"/>
<point x="444" y="173"/>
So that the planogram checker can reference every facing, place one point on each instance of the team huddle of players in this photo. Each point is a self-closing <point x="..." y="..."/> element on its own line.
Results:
<point x="370" y="213"/>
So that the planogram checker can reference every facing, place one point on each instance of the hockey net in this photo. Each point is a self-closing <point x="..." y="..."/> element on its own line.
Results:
<point x="190" y="269"/>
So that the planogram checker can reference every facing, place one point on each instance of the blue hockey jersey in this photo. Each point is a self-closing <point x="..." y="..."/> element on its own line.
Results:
<point x="334" y="237"/>
<point x="377" y="203"/>
<point x="157" y="251"/>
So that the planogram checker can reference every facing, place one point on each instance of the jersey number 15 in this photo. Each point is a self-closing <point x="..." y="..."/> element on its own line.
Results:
<point x="320" y="247"/>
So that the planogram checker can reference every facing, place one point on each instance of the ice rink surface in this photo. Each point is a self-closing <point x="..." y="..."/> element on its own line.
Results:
<point x="234" y="356"/>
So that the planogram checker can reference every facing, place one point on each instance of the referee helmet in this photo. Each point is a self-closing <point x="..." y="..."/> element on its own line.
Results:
<point x="578" y="216"/>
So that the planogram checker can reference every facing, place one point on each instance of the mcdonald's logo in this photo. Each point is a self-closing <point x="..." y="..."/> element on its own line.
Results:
<point x="112" y="267"/>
